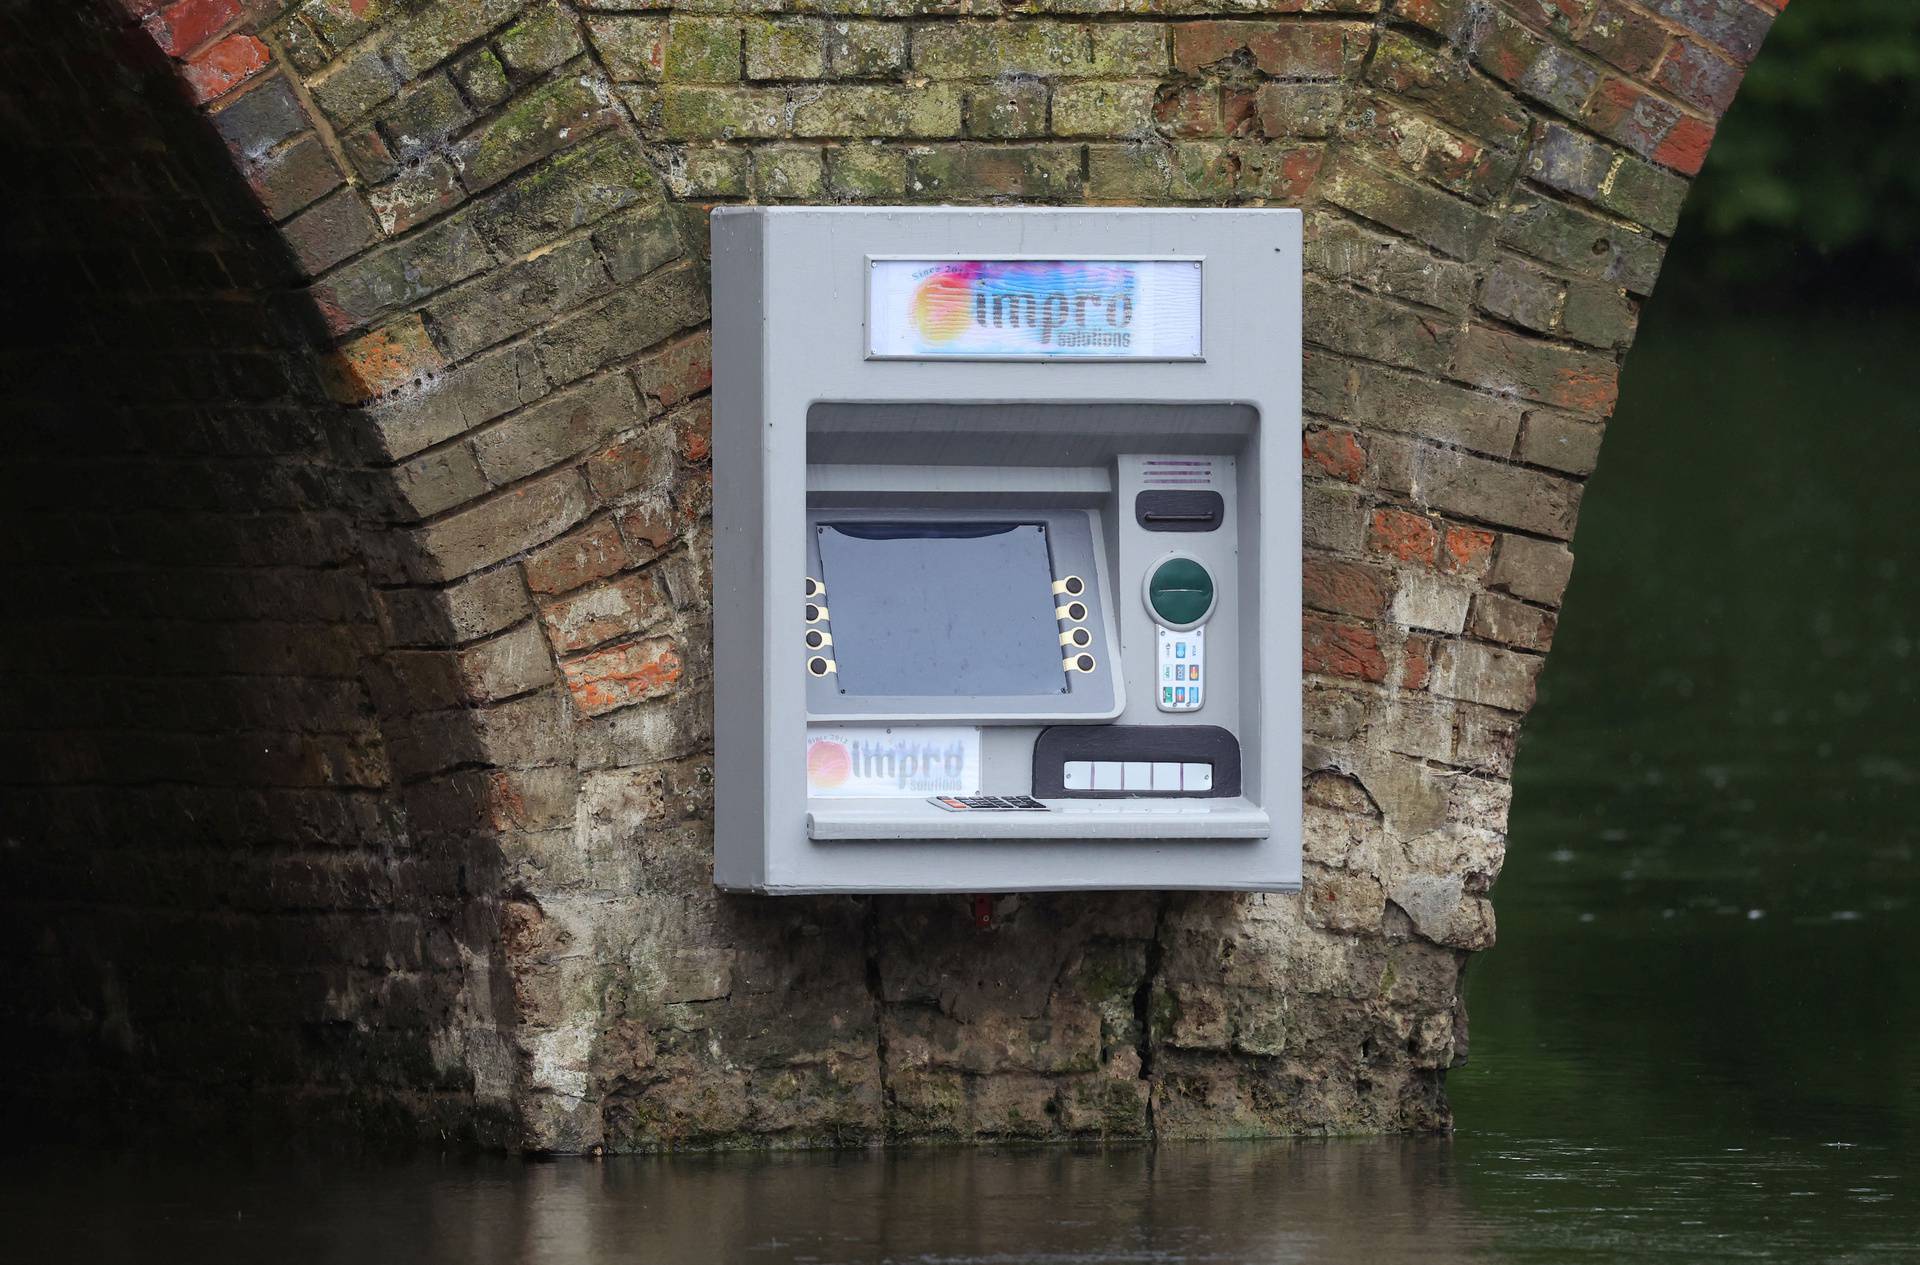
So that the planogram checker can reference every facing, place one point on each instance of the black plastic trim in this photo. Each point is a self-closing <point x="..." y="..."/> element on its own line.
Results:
<point x="1058" y="744"/>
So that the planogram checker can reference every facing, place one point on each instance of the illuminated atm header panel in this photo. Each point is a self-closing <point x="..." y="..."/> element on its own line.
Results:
<point x="1006" y="549"/>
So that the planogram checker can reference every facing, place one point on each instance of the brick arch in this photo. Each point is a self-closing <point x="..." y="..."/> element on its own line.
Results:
<point x="495" y="208"/>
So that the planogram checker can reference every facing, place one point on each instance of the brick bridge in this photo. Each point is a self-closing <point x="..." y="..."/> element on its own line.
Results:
<point x="356" y="659"/>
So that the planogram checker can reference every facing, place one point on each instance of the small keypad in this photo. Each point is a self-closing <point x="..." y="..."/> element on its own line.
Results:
<point x="1162" y="777"/>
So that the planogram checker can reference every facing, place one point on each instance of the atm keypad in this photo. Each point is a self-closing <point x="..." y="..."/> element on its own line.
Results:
<point x="1181" y="680"/>
<point x="988" y="803"/>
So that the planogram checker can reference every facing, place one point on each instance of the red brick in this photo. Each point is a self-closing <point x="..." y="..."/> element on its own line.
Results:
<point x="1699" y="76"/>
<point x="677" y="372"/>
<point x="1550" y="15"/>
<point x="1416" y="663"/>
<point x="640" y="460"/>
<point x="648" y="527"/>
<point x="631" y="604"/>
<point x="1337" y="452"/>
<point x="1408" y="537"/>
<point x="187" y="24"/>
<point x="1341" y="650"/>
<point x="1466" y="551"/>
<point x="1650" y="126"/>
<point x="231" y="62"/>
<point x="1189" y="111"/>
<point x="1625" y="37"/>
<point x="382" y="361"/>
<point x="589" y="553"/>
<point x="1288" y="50"/>
<point x="1344" y="588"/>
<point x="1685" y="149"/>
<point x="693" y="431"/>
<point x="622" y="675"/>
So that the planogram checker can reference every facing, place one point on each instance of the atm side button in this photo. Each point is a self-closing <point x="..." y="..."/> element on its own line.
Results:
<point x="1166" y="776"/>
<point x="1196" y="777"/>
<point x="1136" y="775"/>
<point x="1078" y="775"/>
<point x="1106" y="775"/>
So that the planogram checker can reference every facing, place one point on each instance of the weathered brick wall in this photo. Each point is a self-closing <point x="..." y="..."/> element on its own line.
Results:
<point x="211" y="897"/>
<point x="496" y="211"/>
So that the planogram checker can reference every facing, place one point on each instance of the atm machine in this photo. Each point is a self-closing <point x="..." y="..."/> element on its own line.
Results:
<point x="1006" y="549"/>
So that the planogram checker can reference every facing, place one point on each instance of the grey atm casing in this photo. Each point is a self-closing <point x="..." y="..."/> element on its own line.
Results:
<point x="807" y="424"/>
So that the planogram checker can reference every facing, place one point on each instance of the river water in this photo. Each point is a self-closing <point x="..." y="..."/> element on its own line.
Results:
<point x="1699" y="1034"/>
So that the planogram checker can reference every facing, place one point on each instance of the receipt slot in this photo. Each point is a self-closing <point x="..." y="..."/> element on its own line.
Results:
<point x="1006" y="549"/>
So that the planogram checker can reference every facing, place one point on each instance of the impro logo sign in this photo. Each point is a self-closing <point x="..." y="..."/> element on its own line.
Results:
<point x="1019" y="309"/>
<point x="893" y="762"/>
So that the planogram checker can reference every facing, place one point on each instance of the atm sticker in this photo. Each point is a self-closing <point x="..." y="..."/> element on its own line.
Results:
<point x="893" y="762"/>
<point x="1019" y="309"/>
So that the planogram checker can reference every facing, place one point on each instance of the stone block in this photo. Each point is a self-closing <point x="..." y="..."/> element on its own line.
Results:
<point x="865" y="50"/>
<point x="1581" y="243"/>
<point x="703" y="50"/>
<point x="416" y="195"/>
<point x="973" y="171"/>
<point x="1341" y="250"/>
<point x="866" y="172"/>
<point x="353" y="88"/>
<point x="543" y="39"/>
<point x="1442" y="81"/>
<point x="556" y="429"/>
<point x="631" y="604"/>
<point x="1495" y="360"/>
<point x="493" y="530"/>
<point x="402" y="274"/>
<point x="1422" y="213"/>
<point x="1536" y="570"/>
<point x="474" y="607"/>
<point x="333" y="229"/>
<point x="434" y="33"/>
<point x="1485" y="674"/>
<point x="980" y="50"/>
<point x="786" y="48"/>
<point x="829" y="110"/>
<point x="423" y="119"/>
<point x="562" y="112"/>
<point x="1008" y="108"/>
<point x="789" y="173"/>
<point x="481" y="78"/>
<point x="260" y="118"/>
<point x="1358" y="324"/>
<point x="456" y="400"/>
<point x="628" y="322"/>
<point x="631" y="46"/>
<point x="510" y="300"/>
<point x="1497" y="617"/>
<point x="568" y="191"/>
<point x="1494" y="492"/>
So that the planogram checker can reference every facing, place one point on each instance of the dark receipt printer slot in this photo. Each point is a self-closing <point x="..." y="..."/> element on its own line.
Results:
<point x="1179" y="509"/>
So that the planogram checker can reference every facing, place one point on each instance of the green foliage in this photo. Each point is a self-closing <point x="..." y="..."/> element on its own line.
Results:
<point x="1814" y="179"/>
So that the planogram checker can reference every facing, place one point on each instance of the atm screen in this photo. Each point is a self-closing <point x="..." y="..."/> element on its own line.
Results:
<point x="942" y="609"/>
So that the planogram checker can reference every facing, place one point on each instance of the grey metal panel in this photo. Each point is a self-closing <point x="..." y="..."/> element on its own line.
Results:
<point x="1101" y="822"/>
<point x="808" y="284"/>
